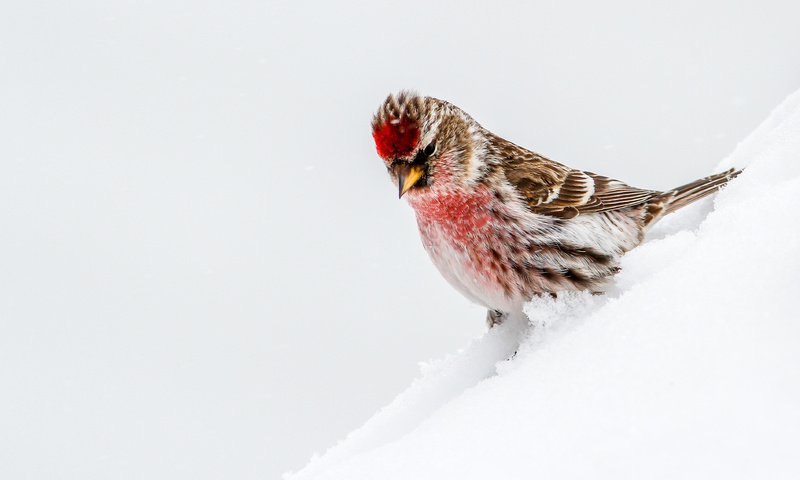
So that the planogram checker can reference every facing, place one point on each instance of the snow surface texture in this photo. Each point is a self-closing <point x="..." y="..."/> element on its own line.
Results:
<point x="690" y="368"/>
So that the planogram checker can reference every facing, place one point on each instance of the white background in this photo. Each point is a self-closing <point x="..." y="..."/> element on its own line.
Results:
<point x="204" y="271"/>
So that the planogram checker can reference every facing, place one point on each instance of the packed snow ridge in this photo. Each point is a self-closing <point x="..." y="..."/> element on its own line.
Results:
<point x="688" y="368"/>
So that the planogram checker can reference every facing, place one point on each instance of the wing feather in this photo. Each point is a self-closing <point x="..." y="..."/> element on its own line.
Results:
<point x="550" y="188"/>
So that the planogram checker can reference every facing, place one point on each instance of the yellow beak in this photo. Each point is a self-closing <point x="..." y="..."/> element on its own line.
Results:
<point x="407" y="176"/>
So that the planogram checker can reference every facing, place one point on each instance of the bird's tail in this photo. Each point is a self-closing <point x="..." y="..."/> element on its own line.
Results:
<point x="679" y="197"/>
<point x="686" y="194"/>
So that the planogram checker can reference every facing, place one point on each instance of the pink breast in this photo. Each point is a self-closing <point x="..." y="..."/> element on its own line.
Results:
<point x="459" y="234"/>
<point x="461" y="216"/>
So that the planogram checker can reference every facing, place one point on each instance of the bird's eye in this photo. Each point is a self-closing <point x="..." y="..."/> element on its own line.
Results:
<point x="429" y="149"/>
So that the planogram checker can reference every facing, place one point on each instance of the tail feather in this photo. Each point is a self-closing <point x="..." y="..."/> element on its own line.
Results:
<point x="691" y="192"/>
<point x="671" y="200"/>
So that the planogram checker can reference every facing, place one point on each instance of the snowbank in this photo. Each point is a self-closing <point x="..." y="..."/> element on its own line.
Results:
<point x="689" y="368"/>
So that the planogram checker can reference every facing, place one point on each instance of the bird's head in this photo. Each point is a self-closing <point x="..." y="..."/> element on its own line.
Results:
<point x="426" y="143"/>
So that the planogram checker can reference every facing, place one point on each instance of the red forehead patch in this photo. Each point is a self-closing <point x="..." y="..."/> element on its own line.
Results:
<point x="396" y="138"/>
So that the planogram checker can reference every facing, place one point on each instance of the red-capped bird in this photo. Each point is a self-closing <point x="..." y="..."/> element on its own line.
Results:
<point x="502" y="223"/>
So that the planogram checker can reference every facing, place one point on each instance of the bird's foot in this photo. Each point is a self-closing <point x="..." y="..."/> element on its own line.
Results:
<point x="495" y="317"/>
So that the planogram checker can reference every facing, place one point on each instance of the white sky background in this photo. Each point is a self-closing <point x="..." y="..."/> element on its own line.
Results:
<point x="204" y="271"/>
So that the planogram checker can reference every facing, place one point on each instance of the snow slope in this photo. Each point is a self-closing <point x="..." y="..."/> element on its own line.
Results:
<point x="690" y="368"/>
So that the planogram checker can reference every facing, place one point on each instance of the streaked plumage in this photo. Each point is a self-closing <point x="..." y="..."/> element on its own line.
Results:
<point x="502" y="223"/>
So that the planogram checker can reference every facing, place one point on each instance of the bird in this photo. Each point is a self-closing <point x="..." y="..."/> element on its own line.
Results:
<point x="502" y="223"/>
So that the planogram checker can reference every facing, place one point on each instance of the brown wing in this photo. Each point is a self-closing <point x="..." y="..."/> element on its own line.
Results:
<point x="550" y="188"/>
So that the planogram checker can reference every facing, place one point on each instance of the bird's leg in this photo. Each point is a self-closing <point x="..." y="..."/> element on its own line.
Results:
<point x="495" y="317"/>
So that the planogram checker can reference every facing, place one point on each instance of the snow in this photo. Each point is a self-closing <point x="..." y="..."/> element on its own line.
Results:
<point x="689" y="368"/>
